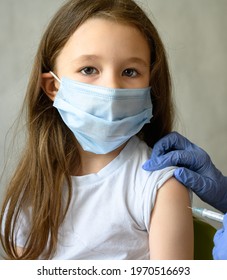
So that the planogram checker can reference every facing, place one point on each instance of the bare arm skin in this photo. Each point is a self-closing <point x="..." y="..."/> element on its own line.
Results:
<point x="171" y="229"/>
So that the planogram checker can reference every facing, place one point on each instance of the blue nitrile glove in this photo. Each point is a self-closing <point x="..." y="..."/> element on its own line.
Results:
<point x="196" y="170"/>
<point x="220" y="242"/>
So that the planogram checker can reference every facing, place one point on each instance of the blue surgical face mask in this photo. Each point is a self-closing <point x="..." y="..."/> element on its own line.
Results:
<point x="102" y="119"/>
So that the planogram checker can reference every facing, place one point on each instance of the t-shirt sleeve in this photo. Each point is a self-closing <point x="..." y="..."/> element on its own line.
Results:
<point x="154" y="182"/>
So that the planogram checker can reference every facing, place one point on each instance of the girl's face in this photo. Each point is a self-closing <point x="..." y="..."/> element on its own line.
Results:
<point x="106" y="53"/>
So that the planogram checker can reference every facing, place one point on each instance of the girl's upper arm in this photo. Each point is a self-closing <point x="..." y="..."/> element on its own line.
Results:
<point x="171" y="229"/>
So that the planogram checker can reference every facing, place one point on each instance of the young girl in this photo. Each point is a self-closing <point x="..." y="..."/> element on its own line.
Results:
<point x="100" y="78"/>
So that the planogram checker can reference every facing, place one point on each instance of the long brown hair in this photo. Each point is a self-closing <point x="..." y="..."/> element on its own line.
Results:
<point x="43" y="172"/>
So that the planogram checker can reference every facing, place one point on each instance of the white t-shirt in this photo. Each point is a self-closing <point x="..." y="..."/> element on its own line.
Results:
<point x="109" y="214"/>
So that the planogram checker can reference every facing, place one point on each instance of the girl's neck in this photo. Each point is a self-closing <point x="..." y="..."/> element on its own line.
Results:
<point x="93" y="163"/>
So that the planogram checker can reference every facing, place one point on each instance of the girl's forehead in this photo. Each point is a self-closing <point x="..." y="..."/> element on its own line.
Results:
<point x="106" y="29"/>
<point x="103" y="37"/>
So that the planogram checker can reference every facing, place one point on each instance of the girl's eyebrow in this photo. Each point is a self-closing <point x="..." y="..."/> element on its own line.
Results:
<point x="86" y="57"/>
<point x="138" y="60"/>
<point x="90" y="57"/>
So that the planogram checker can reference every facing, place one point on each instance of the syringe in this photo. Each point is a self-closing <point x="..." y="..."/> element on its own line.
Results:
<point x="208" y="214"/>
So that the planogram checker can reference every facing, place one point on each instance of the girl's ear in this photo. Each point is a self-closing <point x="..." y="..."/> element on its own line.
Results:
<point x="48" y="84"/>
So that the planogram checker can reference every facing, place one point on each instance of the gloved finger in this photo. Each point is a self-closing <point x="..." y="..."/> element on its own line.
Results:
<point x="181" y="158"/>
<point x="219" y="253"/>
<point x="203" y="186"/>
<point x="192" y="180"/>
<point x="173" y="158"/>
<point x="149" y="165"/>
<point x="218" y="235"/>
<point x="155" y="163"/>
<point x="172" y="141"/>
<point x="215" y="253"/>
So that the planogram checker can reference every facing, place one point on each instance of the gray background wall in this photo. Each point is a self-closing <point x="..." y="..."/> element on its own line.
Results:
<point x="194" y="32"/>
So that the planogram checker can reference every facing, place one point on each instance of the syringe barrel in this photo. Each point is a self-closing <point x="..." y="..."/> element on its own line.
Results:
<point x="212" y="215"/>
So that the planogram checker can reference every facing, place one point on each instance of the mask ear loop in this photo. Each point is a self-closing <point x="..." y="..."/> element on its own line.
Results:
<point x="55" y="76"/>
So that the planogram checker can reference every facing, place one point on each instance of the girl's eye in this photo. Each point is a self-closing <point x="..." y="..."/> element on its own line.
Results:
<point x="88" y="71"/>
<point x="130" y="73"/>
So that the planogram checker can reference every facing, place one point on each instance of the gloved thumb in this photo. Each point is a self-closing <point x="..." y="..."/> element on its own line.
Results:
<point x="157" y="163"/>
<point x="152" y="165"/>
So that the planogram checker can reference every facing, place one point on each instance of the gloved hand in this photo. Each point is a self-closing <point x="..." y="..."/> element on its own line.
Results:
<point x="220" y="242"/>
<point x="196" y="170"/>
